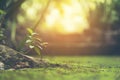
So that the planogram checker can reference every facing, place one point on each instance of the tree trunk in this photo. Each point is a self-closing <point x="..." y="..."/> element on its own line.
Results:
<point x="16" y="60"/>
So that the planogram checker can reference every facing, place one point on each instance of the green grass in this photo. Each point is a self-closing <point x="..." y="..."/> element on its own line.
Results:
<point x="80" y="68"/>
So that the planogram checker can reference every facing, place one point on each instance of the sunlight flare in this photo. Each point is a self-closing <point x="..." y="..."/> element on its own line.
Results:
<point x="72" y="20"/>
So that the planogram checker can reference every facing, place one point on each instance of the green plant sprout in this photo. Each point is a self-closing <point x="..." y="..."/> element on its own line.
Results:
<point x="34" y="42"/>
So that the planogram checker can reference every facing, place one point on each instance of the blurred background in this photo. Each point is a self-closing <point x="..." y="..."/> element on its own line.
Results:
<point x="71" y="27"/>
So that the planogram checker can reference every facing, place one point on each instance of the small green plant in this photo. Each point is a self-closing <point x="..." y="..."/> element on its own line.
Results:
<point x="34" y="42"/>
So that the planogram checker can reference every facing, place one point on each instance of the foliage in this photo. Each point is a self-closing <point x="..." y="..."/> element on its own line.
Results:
<point x="103" y="14"/>
<point x="8" y="11"/>
<point x="81" y="68"/>
<point x="2" y="37"/>
<point x="2" y="12"/>
<point x="2" y="34"/>
<point x="34" y="42"/>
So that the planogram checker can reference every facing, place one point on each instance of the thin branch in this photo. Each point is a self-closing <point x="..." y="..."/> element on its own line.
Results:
<point x="42" y="16"/>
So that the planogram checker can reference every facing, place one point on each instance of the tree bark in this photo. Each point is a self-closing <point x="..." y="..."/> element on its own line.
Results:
<point x="16" y="60"/>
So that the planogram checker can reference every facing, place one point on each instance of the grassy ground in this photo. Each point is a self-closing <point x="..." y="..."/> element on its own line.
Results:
<point x="80" y="68"/>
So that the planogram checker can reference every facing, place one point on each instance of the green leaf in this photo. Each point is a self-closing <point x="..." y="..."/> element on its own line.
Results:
<point x="38" y="39"/>
<point x="30" y="37"/>
<point x="40" y="47"/>
<point x="44" y="44"/>
<point x="31" y="46"/>
<point x="2" y="12"/>
<point x="28" y="41"/>
<point x="30" y="31"/>
<point x="37" y="50"/>
<point x="1" y="35"/>
<point x="33" y="33"/>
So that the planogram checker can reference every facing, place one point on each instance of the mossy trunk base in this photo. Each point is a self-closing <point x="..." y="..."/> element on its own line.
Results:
<point x="16" y="60"/>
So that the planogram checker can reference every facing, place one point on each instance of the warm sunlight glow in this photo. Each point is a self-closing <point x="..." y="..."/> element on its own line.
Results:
<point x="31" y="13"/>
<point x="32" y="9"/>
<point x="61" y="16"/>
<point x="52" y="17"/>
<point x="71" y="20"/>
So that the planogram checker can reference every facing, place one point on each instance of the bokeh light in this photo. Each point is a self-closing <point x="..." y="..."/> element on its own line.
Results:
<point x="65" y="16"/>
